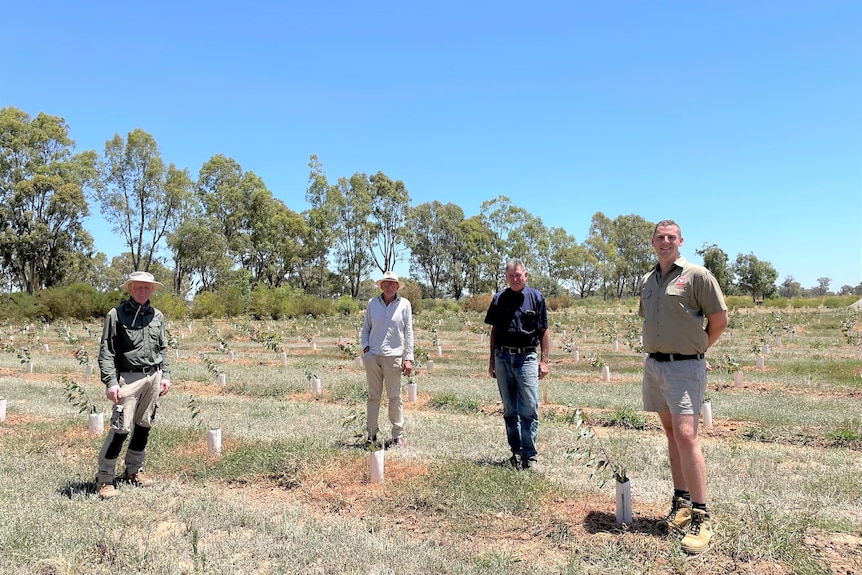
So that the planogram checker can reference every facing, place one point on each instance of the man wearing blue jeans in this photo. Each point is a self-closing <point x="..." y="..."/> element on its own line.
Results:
<point x="519" y="325"/>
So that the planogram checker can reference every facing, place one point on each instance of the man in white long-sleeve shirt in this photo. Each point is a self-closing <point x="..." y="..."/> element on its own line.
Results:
<point x="387" y="347"/>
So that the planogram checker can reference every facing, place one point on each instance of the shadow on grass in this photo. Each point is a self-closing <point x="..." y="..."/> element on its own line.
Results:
<point x="73" y="488"/>
<point x="504" y="463"/>
<point x="602" y="522"/>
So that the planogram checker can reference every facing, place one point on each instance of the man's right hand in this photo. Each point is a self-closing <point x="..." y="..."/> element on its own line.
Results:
<point x="113" y="394"/>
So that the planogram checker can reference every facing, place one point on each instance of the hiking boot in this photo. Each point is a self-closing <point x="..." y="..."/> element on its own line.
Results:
<point x="532" y="464"/>
<point x="699" y="532"/>
<point x="514" y="462"/>
<point x="106" y="490"/>
<point x="139" y="479"/>
<point x="679" y="516"/>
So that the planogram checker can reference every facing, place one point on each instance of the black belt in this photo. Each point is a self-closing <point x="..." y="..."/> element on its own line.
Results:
<point x="146" y="370"/>
<point x="675" y="356"/>
<point x="516" y="350"/>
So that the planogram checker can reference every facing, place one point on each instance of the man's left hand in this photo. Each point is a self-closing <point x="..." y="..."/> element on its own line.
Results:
<point x="164" y="387"/>
<point x="407" y="367"/>
<point x="543" y="369"/>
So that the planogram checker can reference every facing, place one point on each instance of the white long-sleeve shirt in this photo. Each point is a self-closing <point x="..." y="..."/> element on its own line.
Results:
<point x="388" y="329"/>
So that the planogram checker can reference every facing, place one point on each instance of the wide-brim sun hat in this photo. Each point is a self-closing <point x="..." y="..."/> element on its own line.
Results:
<point x="141" y="277"/>
<point x="389" y="277"/>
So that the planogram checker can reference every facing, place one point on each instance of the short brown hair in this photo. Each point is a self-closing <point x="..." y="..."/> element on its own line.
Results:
<point x="664" y="223"/>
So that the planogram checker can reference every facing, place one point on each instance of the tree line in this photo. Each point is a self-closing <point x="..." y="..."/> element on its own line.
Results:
<point x="225" y="229"/>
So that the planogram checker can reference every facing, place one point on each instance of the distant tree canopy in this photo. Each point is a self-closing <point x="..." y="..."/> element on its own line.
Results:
<point x="226" y="231"/>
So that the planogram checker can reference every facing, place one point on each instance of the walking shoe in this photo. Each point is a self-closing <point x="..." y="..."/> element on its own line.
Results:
<point x="533" y="465"/>
<point x="106" y="490"/>
<point x="400" y="442"/>
<point x="139" y="479"/>
<point x="679" y="516"/>
<point x="514" y="462"/>
<point x="699" y="532"/>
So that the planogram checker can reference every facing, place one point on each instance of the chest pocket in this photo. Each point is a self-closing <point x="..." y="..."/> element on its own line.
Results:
<point x="529" y="320"/>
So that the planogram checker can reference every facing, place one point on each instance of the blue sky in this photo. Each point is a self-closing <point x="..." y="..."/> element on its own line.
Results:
<point x="741" y="120"/>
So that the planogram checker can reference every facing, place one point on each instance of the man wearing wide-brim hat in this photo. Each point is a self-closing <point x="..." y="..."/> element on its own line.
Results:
<point x="387" y="347"/>
<point x="133" y="365"/>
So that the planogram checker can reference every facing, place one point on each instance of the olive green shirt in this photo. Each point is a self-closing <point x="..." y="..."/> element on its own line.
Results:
<point x="675" y="305"/>
<point x="133" y="339"/>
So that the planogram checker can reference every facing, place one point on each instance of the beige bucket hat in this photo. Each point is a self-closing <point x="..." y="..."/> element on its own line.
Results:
<point x="142" y="277"/>
<point x="389" y="277"/>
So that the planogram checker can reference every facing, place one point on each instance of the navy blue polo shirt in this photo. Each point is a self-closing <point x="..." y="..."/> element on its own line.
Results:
<point x="520" y="318"/>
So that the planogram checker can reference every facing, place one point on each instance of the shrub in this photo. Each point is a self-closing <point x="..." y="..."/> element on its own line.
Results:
<point x="738" y="301"/>
<point x="312" y="305"/>
<point x="272" y="303"/>
<point x="776" y="303"/>
<point x="413" y="292"/>
<point x="477" y="303"/>
<point x="171" y="304"/>
<point x="78" y="301"/>
<point x="345" y="305"/>
<point x="558" y="302"/>
<point x="207" y="304"/>
<point x="235" y="301"/>
<point x="22" y="307"/>
<point x="836" y="302"/>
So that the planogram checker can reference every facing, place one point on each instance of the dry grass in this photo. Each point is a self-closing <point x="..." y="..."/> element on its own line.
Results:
<point x="290" y="491"/>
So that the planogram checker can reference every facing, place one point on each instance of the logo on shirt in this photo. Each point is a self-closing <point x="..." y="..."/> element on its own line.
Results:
<point x="680" y="281"/>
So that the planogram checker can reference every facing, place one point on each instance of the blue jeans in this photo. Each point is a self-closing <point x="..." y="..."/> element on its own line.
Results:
<point x="518" y="381"/>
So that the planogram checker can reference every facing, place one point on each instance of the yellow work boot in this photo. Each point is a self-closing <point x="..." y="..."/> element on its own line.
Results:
<point x="106" y="490"/>
<point x="699" y="533"/>
<point x="139" y="479"/>
<point x="679" y="516"/>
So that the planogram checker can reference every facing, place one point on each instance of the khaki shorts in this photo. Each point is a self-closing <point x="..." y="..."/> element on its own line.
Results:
<point x="674" y="386"/>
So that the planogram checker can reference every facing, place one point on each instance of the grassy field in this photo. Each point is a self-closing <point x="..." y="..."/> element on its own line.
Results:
<point x="290" y="491"/>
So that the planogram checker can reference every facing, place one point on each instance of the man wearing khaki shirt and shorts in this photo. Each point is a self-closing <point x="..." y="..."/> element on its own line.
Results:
<point x="676" y="298"/>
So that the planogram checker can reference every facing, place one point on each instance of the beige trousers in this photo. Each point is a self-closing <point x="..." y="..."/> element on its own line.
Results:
<point x="139" y="394"/>
<point x="383" y="370"/>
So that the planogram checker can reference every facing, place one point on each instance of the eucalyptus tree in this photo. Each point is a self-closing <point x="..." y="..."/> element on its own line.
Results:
<point x="351" y="201"/>
<point x="755" y="277"/>
<point x="564" y="257"/>
<point x="219" y="190"/>
<point x="622" y="250"/>
<point x="42" y="201"/>
<point x="600" y="242"/>
<point x="200" y="255"/>
<point x="634" y="253"/>
<point x="320" y="219"/>
<point x="476" y="258"/>
<point x="276" y="241"/>
<point x="433" y="239"/>
<point x="390" y="202"/>
<point x="505" y="219"/>
<point x="717" y="261"/>
<point x="261" y="234"/>
<point x="822" y="286"/>
<point x="587" y="275"/>
<point x="227" y="195"/>
<point x="538" y="251"/>
<point x="790" y="288"/>
<point x="140" y="197"/>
